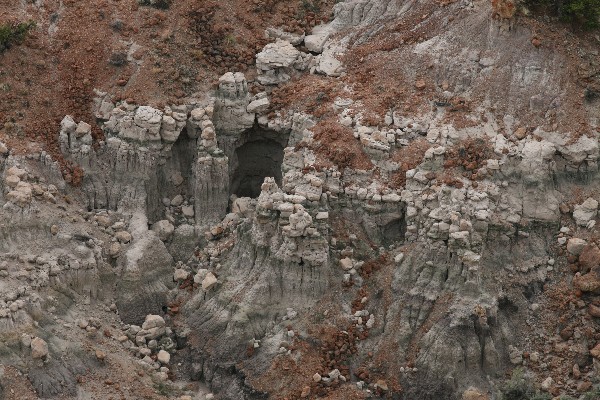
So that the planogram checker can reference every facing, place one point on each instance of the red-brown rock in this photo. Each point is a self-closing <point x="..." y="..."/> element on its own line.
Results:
<point x="589" y="257"/>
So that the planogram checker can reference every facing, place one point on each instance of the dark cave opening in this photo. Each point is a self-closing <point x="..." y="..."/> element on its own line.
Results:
<point x="394" y="232"/>
<point x="253" y="156"/>
<point x="256" y="160"/>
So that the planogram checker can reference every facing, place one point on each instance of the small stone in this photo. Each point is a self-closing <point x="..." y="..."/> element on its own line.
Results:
<point x="305" y="392"/>
<point x="83" y="128"/>
<point x="100" y="355"/>
<point x="16" y="171"/>
<point x="575" y="246"/>
<point x="177" y="201"/>
<point x="516" y="357"/>
<point x="322" y="215"/>
<point x="521" y="133"/>
<point x="346" y="264"/>
<point x="534" y="357"/>
<point x="209" y="281"/>
<point x="576" y="371"/>
<point x="316" y="377"/>
<point x="123" y="236"/>
<point x="54" y="230"/>
<point x="187" y="211"/>
<point x="216" y="230"/>
<point x="163" y="357"/>
<point x="164" y="229"/>
<point x="103" y="221"/>
<point x="153" y="321"/>
<point x="547" y="384"/>
<point x="566" y="333"/>
<point x="26" y="340"/>
<point x="177" y="179"/>
<point x="594" y="311"/>
<point x="334" y="374"/>
<point x="589" y="257"/>
<point x="259" y="106"/>
<point x="420" y="84"/>
<point x="564" y="208"/>
<point x="381" y="384"/>
<point x="114" y="249"/>
<point x="39" y="348"/>
<point x="180" y="275"/>
<point x="595" y="352"/>
<point x="12" y="181"/>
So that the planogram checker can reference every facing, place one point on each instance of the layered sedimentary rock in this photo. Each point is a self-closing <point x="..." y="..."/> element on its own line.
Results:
<point x="225" y="241"/>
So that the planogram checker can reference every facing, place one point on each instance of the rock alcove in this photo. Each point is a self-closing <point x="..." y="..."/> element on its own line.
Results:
<point x="258" y="154"/>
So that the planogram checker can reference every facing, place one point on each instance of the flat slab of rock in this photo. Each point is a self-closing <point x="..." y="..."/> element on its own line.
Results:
<point x="280" y="54"/>
<point x="315" y="42"/>
<point x="259" y="106"/>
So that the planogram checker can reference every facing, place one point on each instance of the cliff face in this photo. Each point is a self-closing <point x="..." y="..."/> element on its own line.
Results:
<point x="400" y="203"/>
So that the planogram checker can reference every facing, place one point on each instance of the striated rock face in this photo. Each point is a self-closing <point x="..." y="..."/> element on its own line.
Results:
<point x="211" y="187"/>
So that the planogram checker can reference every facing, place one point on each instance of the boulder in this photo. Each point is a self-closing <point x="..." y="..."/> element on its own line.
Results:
<point x="346" y="264"/>
<point x="163" y="357"/>
<point x="589" y="257"/>
<point x="177" y="201"/>
<point x="180" y="275"/>
<point x="275" y="62"/>
<point x="164" y="229"/>
<point x="153" y="321"/>
<point x="209" y="281"/>
<point x="259" y="106"/>
<point x="187" y="211"/>
<point x="123" y="236"/>
<point x="39" y="348"/>
<point x="280" y="54"/>
<point x="589" y="282"/>
<point x="315" y="41"/>
<point x="585" y="212"/>
<point x="575" y="246"/>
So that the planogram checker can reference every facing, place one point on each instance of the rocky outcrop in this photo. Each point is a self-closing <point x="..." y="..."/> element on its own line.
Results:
<point x="230" y="115"/>
<point x="223" y="240"/>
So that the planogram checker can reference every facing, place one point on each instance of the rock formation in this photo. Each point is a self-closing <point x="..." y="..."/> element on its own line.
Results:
<point x="319" y="248"/>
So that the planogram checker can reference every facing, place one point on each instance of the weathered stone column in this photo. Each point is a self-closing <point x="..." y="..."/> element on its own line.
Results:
<point x="211" y="191"/>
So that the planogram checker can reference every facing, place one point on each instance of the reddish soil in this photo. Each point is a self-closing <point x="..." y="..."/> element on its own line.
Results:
<point x="408" y="157"/>
<point x="77" y="48"/>
<point x="336" y="143"/>
<point x="312" y="94"/>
